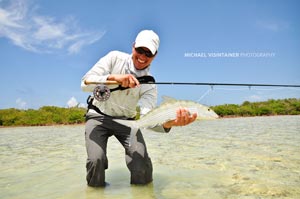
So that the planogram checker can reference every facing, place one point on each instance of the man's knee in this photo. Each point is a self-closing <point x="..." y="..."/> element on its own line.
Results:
<point x="140" y="169"/>
<point x="96" y="172"/>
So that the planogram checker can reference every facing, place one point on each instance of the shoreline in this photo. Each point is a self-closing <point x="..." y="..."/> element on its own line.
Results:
<point x="81" y="124"/>
<point x="236" y="116"/>
<point x="49" y="125"/>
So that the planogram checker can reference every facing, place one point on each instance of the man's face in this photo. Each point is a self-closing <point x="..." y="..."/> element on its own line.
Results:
<point x="140" y="58"/>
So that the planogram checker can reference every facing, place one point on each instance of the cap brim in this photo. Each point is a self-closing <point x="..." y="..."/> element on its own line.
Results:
<point x="146" y="45"/>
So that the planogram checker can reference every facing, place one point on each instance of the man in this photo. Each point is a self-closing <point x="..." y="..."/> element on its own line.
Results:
<point x="125" y="69"/>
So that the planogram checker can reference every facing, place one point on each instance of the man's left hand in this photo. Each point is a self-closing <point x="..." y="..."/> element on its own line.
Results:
<point x="183" y="117"/>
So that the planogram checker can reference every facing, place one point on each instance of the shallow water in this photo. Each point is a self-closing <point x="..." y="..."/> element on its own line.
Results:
<point x="255" y="157"/>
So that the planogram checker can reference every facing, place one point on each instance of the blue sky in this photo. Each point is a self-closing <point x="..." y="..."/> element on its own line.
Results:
<point x="47" y="46"/>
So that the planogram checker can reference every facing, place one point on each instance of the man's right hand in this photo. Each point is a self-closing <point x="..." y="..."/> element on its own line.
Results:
<point x="125" y="81"/>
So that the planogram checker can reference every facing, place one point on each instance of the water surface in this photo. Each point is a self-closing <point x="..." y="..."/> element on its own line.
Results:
<point x="255" y="157"/>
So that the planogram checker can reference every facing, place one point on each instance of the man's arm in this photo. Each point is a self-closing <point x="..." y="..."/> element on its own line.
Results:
<point x="98" y="73"/>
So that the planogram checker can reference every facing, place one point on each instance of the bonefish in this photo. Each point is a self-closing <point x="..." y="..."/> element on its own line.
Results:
<point x="167" y="111"/>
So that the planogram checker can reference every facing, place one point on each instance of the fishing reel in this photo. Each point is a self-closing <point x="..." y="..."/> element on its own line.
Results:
<point x="101" y="93"/>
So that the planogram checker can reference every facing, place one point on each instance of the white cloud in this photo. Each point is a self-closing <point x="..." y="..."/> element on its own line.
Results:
<point x="47" y="29"/>
<point x="6" y="21"/>
<point x="272" y="25"/>
<point x="82" y="105"/>
<point x="20" y="23"/>
<point x="72" y="102"/>
<point x="84" y="40"/>
<point x="255" y="98"/>
<point x="21" y="103"/>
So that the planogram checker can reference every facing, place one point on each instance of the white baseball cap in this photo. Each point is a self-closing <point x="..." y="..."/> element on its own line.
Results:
<point x="148" y="39"/>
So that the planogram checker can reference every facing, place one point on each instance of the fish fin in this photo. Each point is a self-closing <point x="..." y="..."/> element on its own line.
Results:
<point x="167" y="99"/>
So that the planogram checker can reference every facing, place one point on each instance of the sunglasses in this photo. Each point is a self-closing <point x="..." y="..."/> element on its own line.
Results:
<point x="141" y="51"/>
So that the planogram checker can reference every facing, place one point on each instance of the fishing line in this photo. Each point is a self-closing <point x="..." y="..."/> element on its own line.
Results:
<point x="206" y="93"/>
<point x="250" y="88"/>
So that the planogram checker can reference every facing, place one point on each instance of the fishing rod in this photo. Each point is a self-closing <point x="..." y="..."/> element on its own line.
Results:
<point x="151" y="80"/>
<point x="102" y="92"/>
<point x="223" y="84"/>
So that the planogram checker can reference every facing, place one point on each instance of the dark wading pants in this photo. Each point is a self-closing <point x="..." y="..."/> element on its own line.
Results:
<point x="97" y="131"/>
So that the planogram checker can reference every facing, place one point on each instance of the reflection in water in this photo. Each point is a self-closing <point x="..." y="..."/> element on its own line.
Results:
<point x="226" y="158"/>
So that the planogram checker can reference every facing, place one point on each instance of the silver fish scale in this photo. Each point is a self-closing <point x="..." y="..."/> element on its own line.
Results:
<point x="167" y="112"/>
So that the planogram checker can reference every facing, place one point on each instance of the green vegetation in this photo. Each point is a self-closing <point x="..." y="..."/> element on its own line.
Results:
<point x="270" y="107"/>
<point x="51" y="115"/>
<point x="46" y="115"/>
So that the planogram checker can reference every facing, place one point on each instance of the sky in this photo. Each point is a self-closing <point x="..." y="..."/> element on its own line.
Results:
<point x="47" y="46"/>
